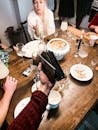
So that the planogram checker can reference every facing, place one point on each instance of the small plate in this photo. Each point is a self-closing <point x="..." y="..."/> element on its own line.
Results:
<point x="81" y="72"/>
<point x="20" y="106"/>
<point x="4" y="71"/>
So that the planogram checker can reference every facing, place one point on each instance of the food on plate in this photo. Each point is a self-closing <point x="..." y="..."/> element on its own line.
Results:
<point x="80" y="73"/>
<point x="58" y="44"/>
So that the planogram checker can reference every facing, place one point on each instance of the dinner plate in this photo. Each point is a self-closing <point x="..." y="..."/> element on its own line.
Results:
<point x="35" y="86"/>
<point x="31" y="48"/>
<point x="81" y="72"/>
<point x="4" y="71"/>
<point x="20" y="106"/>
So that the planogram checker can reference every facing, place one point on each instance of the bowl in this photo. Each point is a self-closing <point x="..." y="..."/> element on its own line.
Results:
<point x="59" y="47"/>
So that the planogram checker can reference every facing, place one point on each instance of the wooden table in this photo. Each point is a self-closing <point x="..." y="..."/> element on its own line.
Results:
<point x="77" y="97"/>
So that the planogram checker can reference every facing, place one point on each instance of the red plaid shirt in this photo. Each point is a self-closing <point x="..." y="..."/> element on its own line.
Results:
<point x="94" y="21"/>
<point x="30" y="117"/>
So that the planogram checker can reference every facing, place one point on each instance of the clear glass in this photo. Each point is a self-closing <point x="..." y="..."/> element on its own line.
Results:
<point x="83" y="51"/>
<point x="94" y="61"/>
<point x="64" y="25"/>
<point x="19" y="49"/>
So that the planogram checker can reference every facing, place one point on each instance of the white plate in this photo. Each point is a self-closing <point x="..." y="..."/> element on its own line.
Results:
<point x="4" y="71"/>
<point x="81" y="72"/>
<point x="31" y="48"/>
<point x="35" y="86"/>
<point x="20" y="106"/>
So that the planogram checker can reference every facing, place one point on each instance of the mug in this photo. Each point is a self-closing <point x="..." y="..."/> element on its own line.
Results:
<point x="54" y="100"/>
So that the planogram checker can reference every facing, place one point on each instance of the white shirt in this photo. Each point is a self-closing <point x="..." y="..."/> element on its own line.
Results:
<point x="48" y="25"/>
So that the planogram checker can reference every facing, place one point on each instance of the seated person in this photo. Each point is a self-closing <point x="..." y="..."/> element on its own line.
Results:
<point x="93" y="25"/>
<point x="31" y="116"/>
<point x="40" y="20"/>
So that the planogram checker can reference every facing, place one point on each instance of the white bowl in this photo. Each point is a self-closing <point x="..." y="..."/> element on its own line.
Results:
<point x="59" y="47"/>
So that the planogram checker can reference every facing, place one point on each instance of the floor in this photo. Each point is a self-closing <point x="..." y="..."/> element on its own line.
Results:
<point x="90" y="123"/>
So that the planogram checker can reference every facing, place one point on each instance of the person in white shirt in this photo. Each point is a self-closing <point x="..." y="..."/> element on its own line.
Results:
<point x="40" y="20"/>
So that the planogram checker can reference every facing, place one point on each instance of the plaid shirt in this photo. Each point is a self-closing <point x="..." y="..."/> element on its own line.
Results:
<point x="94" y="21"/>
<point x="30" y="117"/>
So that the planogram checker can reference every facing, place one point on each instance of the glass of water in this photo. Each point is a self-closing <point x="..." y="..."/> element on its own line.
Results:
<point x="19" y="49"/>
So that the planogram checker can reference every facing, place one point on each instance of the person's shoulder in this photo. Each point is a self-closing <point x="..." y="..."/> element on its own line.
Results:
<point x="31" y="13"/>
<point x="49" y="11"/>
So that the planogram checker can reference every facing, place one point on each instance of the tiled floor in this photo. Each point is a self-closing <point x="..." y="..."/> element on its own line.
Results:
<point x="90" y="123"/>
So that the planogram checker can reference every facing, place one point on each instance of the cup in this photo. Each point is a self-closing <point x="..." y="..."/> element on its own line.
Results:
<point x="19" y="49"/>
<point x="54" y="99"/>
<point x="83" y="51"/>
<point x="64" y="25"/>
<point x="94" y="61"/>
<point x="93" y="39"/>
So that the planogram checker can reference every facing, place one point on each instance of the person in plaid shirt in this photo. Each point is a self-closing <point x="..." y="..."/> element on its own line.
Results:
<point x="30" y="117"/>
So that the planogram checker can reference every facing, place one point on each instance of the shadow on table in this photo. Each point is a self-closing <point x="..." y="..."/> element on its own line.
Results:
<point x="83" y="83"/>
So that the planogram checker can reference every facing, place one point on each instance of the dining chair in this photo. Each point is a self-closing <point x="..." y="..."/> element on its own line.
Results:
<point x="25" y="31"/>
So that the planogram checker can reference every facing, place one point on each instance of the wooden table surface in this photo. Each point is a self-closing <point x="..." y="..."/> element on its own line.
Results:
<point x="77" y="97"/>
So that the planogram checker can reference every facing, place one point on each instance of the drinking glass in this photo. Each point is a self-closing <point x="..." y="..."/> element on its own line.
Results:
<point x="64" y="25"/>
<point x="19" y="49"/>
<point x="94" y="61"/>
<point x="83" y="52"/>
<point x="56" y="34"/>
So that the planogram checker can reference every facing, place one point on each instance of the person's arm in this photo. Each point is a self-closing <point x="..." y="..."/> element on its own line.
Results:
<point x="94" y="23"/>
<point x="9" y="88"/>
<point x="30" y="117"/>
<point x="33" y="27"/>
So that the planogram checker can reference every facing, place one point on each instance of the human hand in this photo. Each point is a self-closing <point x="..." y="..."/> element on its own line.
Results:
<point x="10" y="85"/>
<point x="4" y="46"/>
<point x="94" y="27"/>
<point x="36" y="28"/>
